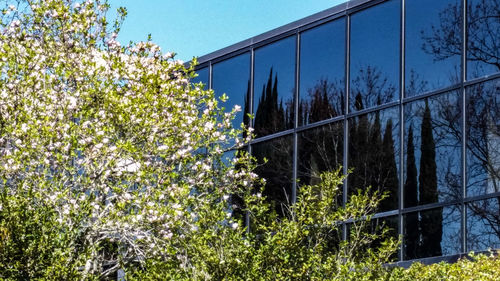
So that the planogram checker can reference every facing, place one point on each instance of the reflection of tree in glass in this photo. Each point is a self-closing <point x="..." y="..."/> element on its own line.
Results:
<point x="431" y="222"/>
<point x="484" y="224"/>
<point x="277" y="171"/>
<point x="483" y="24"/>
<point x="323" y="101"/>
<point x="370" y="88"/>
<point x="483" y="151"/>
<point x="272" y="115"/>
<point x="483" y="142"/>
<point x="319" y="150"/>
<point x="412" y="231"/>
<point x="372" y="155"/>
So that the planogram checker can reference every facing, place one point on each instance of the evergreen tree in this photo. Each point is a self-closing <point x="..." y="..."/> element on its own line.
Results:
<point x="412" y="232"/>
<point x="431" y="221"/>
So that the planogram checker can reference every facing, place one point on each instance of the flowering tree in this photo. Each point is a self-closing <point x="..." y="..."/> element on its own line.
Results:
<point x="106" y="151"/>
<point x="111" y="159"/>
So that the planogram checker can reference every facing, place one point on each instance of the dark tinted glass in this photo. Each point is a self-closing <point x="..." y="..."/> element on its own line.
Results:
<point x="319" y="150"/>
<point x="483" y="225"/>
<point x="433" y="138"/>
<point x="373" y="153"/>
<point x="483" y="48"/>
<point x="483" y="138"/>
<point x="277" y="171"/>
<point x="357" y="232"/>
<point x="433" y="45"/>
<point x="430" y="233"/>
<point x="322" y="71"/>
<point x="274" y="84"/>
<point x="232" y="77"/>
<point x="202" y="77"/>
<point x="374" y="56"/>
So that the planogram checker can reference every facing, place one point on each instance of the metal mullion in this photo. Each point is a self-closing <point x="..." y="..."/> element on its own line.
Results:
<point x="432" y="93"/>
<point x="401" y="124"/>
<point x="463" y="221"/>
<point x="347" y="54"/>
<point x="250" y="104"/>
<point x="210" y="75"/>
<point x="295" y="116"/>
<point x="421" y="208"/>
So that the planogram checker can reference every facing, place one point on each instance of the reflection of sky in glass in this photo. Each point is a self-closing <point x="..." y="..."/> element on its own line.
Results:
<point x="422" y="17"/>
<point x="483" y="225"/>
<point x="202" y="77"/>
<point x="232" y="77"/>
<point x="447" y="134"/>
<point x="483" y="138"/>
<point x="483" y="44"/>
<point x="280" y="57"/>
<point x="375" y="44"/>
<point x="450" y="231"/>
<point x="450" y="243"/>
<point x="322" y="59"/>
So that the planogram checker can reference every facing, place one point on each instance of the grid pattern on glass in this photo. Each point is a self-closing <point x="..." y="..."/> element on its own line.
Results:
<point x="435" y="131"/>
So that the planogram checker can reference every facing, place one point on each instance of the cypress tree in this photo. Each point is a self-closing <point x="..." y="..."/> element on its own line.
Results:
<point x="431" y="221"/>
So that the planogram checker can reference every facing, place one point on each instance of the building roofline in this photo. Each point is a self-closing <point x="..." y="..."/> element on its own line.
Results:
<point x="338" y="9"/>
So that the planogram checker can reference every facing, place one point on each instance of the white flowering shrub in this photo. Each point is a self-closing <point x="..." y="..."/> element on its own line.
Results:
<point x="111" y="159"/>
<point x="107" y="152"/>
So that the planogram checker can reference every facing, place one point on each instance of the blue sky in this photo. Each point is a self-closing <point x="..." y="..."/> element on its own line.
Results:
<point x="198" y="27"/>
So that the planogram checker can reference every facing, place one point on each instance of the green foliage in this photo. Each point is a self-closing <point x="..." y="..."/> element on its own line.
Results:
<point x="483" y="267"/>
<point x="304" y="245"/>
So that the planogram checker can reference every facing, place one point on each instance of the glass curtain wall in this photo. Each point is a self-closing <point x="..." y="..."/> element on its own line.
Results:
<point x="406" y="93"/>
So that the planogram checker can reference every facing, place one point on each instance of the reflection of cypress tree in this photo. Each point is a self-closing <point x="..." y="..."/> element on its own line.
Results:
<point x="431" y="222"/>
<point x="389" y="169"/>
<point x="246" y="110"/>
<point x="373" y="165"/>
<point x="410" y="199"/>
<point x="269" y="116"/>
<point x="277" y="171"/>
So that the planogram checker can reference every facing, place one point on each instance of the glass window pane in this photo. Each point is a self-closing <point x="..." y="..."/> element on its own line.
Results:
<point x="277" y="171"/>
<point x="483" y="138"/>
<point x="374" y="55"/>
<point x="274" y="86"/>
<point x="483" y="48"/>
<point x="433" y="140"/>
<point x="433" y="45"/>
<point x="319" y="150"/>
<point x="322" y="71"/>
<point x="374" y="154"/>
<point x="202" y="77"/>
<point x="232" y="77"/>
<point x="431" y="233"/>
<point x="356" y="232"/>
<point x="483" y="225"/>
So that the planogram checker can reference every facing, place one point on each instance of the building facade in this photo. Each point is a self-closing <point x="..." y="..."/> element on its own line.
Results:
<point x="406" y="93"/>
